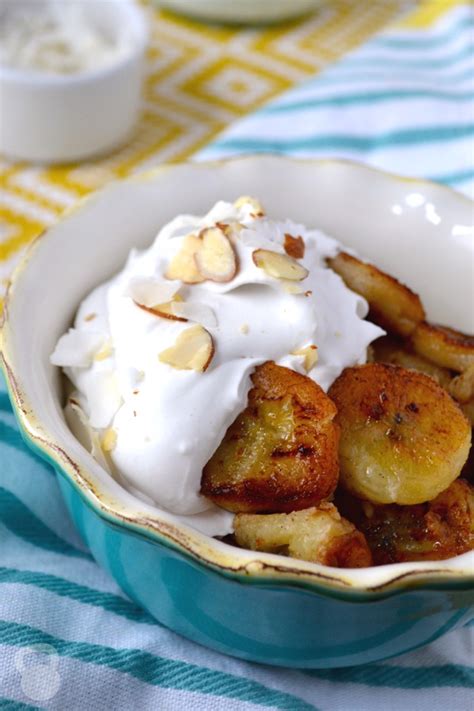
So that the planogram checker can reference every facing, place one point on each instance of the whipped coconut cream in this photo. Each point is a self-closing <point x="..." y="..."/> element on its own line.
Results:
<point x="159" y="393"/>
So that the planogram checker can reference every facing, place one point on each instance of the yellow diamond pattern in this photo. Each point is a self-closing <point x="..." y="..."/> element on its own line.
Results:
<point x="199" y="79"/>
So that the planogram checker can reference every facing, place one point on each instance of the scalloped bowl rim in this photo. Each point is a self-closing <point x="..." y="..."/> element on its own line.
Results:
<point x="161" y="527"/>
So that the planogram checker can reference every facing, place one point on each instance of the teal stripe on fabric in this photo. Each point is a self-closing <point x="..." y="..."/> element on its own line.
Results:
<point x="395" y="61"/>
<point x="366" y="98"/>
<point x="453" y="178"/>
<point x="424" y="43"/>
<point x="10" y="705"/>
<point x="401" y="677"/>
<point x="341" y="74"/>
<point x="80" y="593"/>
<point x="394" y="139"/>
<point x="15" y="516"/>
<point x="157" y="671"/>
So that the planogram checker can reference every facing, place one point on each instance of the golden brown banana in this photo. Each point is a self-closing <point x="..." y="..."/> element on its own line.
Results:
<point x="434" y="530"/>
<point x="462" y="386"/>
<point x="317" y="534"/>
<point x="397" y="352"/>
<point x="403" y="438"/>
<point x="281" y="453"/>
<point x="392" y="304"/>
<point x="444" y="346"/>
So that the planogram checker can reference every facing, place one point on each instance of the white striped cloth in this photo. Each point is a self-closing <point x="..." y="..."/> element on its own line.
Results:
<point x="69" y="639"/>
<point x="403" y="102"/>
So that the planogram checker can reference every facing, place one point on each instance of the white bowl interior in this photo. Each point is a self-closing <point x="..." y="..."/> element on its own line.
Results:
<point x="419" y="232"/>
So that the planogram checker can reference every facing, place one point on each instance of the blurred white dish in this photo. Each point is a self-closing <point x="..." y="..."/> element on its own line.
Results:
<point x="241" y="10"/>
<point x="53" y="117"/>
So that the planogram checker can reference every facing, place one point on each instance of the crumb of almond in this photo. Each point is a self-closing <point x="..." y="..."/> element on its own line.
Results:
<point x="244" y="328"/>
<point x="134" y="413"/>
<point x="135" y="392"/>
<point x="310" y="355"/>
<point x="90" y="317"/>
<point x="109" y="440"/>
<point x="308" y="293"/>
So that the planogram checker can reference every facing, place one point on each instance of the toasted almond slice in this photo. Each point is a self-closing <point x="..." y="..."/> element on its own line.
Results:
<point x="279" y="266"/>
<point x="148" y="291"/>
<point x="310" y="355"/>
<point x="183" y="265"/>
<point x="109" y="440"/>
<point x="192" y="350"/>
<point x="294" y="246"/>
<point x="215" y="260"/>
<point x="253" y="203"/>
<point x="166" y="310"/>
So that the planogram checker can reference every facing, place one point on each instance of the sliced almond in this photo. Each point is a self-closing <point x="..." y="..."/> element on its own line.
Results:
<point x="109" y="440"/>
<point x="192" y="350"/>
<point x="166" y="310"/>
<point x="310" y="355"/>
<point x="147" y="291"/>
<point x="253" y="203"/>
<point x="279" y="266"/>
<point x="216" y="259"/>
<point x="294" y="246"/>
<point x="183" y="265"/>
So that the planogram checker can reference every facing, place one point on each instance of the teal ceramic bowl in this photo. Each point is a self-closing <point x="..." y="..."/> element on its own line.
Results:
<point x="256" y="606"/>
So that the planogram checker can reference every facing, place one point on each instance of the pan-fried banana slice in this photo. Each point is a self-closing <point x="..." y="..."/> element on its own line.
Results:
<point x="435" y="530"/>
<point x="281" y="453"/>
<point x="444" y="346"/>
<point x="462" y="386"/>
<point x="392" y="304"/>
<point x="396" y="352"/>
<point x="317" y="534"/>
<point x="403" y="438"/>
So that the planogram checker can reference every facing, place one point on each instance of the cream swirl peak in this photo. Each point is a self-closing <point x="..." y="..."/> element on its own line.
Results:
<point x="162" y="354"/>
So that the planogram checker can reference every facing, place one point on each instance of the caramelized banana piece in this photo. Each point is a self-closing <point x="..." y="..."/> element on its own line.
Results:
<point x="444" y="346"/>
<point x="281" y="453"/>
<point x="462" y="386"/>
<point x="396" y="352"/>
<point x="436" y="530"/>
<point x="403" y="438"/>
<point x="392" y="304"/>
<point x="318" y="534"/>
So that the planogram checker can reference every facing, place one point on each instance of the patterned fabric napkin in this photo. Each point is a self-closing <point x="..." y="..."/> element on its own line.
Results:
<point x="68" y="637"/>
<point x="403" y="102"/>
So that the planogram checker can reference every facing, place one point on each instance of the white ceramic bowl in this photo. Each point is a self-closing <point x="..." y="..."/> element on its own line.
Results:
<point x="241" y="10"/>
<point x="57" y="118"/>
<point x="420" y="232"/>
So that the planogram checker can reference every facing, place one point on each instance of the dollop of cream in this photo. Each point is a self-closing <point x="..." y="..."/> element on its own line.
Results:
<point x="161" y="424"/>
